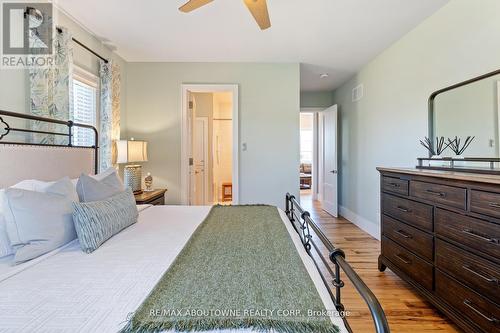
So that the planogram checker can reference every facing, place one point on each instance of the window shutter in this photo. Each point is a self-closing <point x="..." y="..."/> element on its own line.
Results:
<point x="84" y="97"/>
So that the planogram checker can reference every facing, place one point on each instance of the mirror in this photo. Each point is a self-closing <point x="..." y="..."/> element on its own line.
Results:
<point x="470" y="108"/>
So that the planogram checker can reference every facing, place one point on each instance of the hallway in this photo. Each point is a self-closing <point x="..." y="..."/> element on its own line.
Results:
<point x="405" y="309"/>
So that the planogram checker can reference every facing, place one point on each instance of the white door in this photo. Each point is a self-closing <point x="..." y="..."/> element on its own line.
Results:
<point x="199" y="179"/>
<point x="329" y="168"/>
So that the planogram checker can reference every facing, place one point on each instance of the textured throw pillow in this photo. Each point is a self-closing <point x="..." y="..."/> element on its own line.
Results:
<point x="91" y="189"/>
<point x="39" y="222"/>
<point x="98" y="221"/>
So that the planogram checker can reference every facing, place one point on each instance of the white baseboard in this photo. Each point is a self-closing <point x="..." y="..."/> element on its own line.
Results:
<point x="368" y="226"/>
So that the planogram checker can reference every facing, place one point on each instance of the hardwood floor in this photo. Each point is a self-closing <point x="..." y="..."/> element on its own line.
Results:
<point x="406" y="311"/>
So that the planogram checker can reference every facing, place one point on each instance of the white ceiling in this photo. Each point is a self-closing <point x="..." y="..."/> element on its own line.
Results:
<point x="336" y="37"/>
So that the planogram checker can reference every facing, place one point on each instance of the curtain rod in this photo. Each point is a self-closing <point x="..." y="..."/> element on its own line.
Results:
<point x="59" y="30"/>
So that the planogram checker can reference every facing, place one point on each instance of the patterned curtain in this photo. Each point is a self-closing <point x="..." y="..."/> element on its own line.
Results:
<point x="110" y="113"/>
<point x="50" y="89"/>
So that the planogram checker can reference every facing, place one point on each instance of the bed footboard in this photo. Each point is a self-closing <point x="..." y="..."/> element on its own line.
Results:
<point x="303" y="223"/>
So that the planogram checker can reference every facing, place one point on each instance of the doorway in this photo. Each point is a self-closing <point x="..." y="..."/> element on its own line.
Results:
<point x="307" y="132"/>
<point x="209" y="168"/>
<point x="318" y="159"/>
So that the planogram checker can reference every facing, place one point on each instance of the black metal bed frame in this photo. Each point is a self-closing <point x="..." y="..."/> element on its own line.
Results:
<point x="300" y="219"/>
<point x="69" y="134"/>
<point x="303" y="223"/>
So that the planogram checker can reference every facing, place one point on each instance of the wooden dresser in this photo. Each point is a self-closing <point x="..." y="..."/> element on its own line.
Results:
<point x="441" y="234"/>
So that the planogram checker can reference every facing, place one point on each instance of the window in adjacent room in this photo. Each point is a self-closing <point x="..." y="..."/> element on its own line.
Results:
<point x="85" y="106"/>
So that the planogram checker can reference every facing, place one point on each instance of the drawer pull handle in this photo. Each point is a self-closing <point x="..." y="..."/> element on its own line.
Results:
<point x="486" y="239"/>
<point x="403" y="259"/>
<point x="404" y="234"/>
<point x="484" y="277"/>
<point x="473" y="308"/>
<point x="494" y="205"/>
<point x="403" y="209"/>
<point x="438" y="194"/>
<point x="396" y="185"/>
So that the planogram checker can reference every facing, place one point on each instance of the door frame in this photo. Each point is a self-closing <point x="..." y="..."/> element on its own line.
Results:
<point x="204" y="120"/>
<point x="208" y="88"/>
<point x="315" y="188"/>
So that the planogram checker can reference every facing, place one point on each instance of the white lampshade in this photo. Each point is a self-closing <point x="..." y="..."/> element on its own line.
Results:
<point x="131" y="151"/>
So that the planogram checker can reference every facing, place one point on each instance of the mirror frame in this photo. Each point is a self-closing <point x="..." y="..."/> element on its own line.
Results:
<point x="455" y="86"/>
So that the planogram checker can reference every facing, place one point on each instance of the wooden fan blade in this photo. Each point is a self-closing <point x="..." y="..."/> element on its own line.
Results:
<point x="193" y="4"/>
<point x="258" y="8"/>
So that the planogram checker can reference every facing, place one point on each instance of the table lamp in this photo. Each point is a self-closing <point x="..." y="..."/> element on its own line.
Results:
<point x="132" y="151"/>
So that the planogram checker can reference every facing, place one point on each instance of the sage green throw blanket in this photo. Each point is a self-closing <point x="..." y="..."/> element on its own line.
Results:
<point x="240" y="269"/>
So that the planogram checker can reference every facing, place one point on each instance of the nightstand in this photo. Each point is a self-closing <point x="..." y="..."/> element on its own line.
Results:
<point x="155" y="197"/>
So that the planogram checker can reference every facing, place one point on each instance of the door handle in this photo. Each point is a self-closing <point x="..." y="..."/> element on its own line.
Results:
<point x="494" y="205"/>
<point x="471" y="306"/>
<point x="479" y="274"/>
<point x="403" y="209"/>
<point x="334" y="171"/>
<point x="404" y="234"/>
<point x="403" y="259"/>
<point x="481" y="237"/>
<point x="439" y="194"/>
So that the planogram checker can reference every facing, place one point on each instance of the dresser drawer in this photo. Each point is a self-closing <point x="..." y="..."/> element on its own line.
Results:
<point x="478" y="309"/>
<point x="447" y="195"/>
<point x="411" y="238"/>
<point x="414" y="213"/>
<point x="485" y="203"/>
<point x="418" y="269"/>
<point x="477" y="273"/>
<point x="395" y="185"/>
<point x="477" y="234"/>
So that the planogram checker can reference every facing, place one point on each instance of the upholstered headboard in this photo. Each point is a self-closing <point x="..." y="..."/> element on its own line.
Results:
<point x="22" y="160"/>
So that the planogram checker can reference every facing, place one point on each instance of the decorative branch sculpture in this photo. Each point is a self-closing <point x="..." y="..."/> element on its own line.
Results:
<point x="441" y="145"/>
<point x="427" y="143"/>
<point x="457" y="148"/>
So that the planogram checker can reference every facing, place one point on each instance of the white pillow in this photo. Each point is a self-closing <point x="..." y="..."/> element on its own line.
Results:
<point x="41" y="186"/>
<point x="39" y="222"/>
<point x="5" y="248"/>
<point x="100" y="176"/>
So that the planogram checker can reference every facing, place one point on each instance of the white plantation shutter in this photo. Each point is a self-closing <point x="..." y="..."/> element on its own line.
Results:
<point x="84" y="110"/>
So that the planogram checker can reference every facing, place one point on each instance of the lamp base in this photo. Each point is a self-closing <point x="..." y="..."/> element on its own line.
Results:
<point x="132" y="177"/>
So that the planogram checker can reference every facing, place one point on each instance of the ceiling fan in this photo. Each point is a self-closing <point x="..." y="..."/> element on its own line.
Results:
<point x="258" y="8"/>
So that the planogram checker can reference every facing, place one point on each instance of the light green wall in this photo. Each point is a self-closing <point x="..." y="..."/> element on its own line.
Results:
<point x="14" y="85"/>
<point x="384" y="128"/>
<point x="316" y="99"/>
<point x="269" y="105"/>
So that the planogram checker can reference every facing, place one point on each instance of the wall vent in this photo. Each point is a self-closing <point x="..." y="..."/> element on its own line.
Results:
<point x="358" y="93"/>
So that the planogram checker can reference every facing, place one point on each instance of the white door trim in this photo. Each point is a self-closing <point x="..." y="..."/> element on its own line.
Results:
<point x="208" y="88"/>
<point x="315" y="188"/>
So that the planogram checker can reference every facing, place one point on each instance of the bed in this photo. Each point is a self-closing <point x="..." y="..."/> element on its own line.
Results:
<point x="68" y="290"/>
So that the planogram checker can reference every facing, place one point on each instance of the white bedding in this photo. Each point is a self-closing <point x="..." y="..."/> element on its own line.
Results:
<point x="70" y="291"/>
